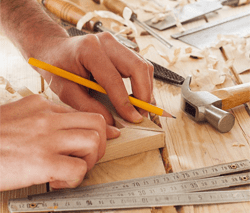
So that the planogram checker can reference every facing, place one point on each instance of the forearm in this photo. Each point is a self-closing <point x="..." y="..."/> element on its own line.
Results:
<point x="28" y="26"/>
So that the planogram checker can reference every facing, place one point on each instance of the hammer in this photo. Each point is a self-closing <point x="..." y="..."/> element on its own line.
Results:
<point x="206" y="106"/>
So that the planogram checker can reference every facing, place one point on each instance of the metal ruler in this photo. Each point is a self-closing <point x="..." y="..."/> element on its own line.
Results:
<point x="206" y="34"/>
<point x="183" y="188"/>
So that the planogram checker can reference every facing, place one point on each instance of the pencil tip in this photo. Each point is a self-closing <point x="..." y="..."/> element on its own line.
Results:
<point x="166" y="114"/>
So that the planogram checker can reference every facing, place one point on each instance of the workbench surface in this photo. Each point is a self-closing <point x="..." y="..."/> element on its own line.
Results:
<point x="189" y="145"/>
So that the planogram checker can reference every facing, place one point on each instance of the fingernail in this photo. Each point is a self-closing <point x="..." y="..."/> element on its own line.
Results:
<point x="137" y="117"/>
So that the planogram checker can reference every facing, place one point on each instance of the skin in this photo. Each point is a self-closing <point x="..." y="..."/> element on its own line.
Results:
<point x="44" y="142"/>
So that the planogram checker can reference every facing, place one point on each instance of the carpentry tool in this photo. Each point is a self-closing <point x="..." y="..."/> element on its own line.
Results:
<point x="72" y="13"/>
<point x="205" y="35"/>
<point x="119" y="7"/>
<point x="160" y="72"/>
<point x="205" y="106"/>
<point x="183" y="188"/>
<point x="192" y="11"/>
<point x="94" y="86"/>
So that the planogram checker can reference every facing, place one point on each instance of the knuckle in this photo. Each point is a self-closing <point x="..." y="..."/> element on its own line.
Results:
<point x="38" y="99"/>
<point x="90" y="40"/>
<point x="113" y="80"/>
<point x="141" y="64"/>
<point x="106" y="36"/>
<point x="42" y="122"/>
<point x="150" y="68"/>
<point x="95" y="140"/>
<point x="100" y="120"/>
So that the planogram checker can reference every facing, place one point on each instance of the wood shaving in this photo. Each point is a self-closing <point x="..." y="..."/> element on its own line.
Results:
<point x="237" y="144"/>
<point x="158" y="18"/>
<point x="146" y="49"/>
<point x="239" y="49"/>
<point x="152" y="7"/>
<point x="107" y="15"/>
<point x="209" y="73"/>
<point x="175" y="58"/>
<point x="196" y="55"/>
<point x="188" y="50"/>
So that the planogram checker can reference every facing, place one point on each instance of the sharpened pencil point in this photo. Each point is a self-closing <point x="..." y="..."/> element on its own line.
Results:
<point x="166" y="114"/>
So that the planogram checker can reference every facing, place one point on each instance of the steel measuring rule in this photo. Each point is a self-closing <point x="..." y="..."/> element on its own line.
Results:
<point x="75" y="204"/>
<point x="205" y="35"/>
<point x="149" y="188"/>
<point x="200" y="173"/>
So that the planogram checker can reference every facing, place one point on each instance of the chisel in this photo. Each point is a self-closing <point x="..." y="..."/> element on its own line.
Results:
<point x="119" y="7"/>
<point x="72" y="13"/>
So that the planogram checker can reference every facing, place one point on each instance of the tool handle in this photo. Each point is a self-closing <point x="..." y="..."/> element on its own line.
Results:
<point x="234" y="3"/>
<point x="116" y="6"/>
<point x="69" y="12"/>
<point x="233" y="96"/>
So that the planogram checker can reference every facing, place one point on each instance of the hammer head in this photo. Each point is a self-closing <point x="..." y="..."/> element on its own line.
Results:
<point x="204" y="106"/>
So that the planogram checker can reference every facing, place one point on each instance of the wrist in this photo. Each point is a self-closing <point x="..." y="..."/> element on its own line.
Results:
<point x="29" y="27"/>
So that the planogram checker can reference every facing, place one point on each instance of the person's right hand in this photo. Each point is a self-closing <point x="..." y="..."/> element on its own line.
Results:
<point x="44" y="142"/>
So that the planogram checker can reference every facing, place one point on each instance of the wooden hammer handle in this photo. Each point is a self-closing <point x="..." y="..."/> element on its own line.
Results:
<point x="68" y="11"/>
<point x="233" y="96"/>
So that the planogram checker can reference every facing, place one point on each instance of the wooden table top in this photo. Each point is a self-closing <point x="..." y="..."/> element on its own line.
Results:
<point x="188" y="145"/>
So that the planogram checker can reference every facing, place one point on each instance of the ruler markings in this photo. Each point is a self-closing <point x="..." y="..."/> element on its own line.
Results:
<point x="183" y="188"/>
<point x="169" y="178"/>
<point x="163" y="189"/>
<point x="74" y="204"/>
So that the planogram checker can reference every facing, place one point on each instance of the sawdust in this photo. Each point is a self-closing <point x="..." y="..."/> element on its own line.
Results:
<point x="240" y="51"/>
<point x="10" y="93"/>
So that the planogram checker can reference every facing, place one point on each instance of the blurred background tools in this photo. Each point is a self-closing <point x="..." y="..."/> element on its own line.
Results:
<point x="120" y="8"/>
<point x="192" y="11"/>
<point x="204" y="36"/>
<point x="72" y="13"/>
<point x="205" y="106"/>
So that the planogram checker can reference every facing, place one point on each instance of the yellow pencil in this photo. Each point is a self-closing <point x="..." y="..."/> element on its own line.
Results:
<point x="92" y="85"/>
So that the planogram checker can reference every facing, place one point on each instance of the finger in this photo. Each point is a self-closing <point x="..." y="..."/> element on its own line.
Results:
<point x="112" y="132"/>
<point x="64" y="171"/>
<point x="31" y="105"/>
<point x="110" y="79"/>
<point x="79" y="128"/>
<point x="139" y="70"/>
<point x="79" y="99"/>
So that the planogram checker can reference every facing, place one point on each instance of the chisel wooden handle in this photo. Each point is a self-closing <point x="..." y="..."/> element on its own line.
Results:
<point x="115" y="6"/>
<point x="241" y="2"/>
<point x="68" y="11"/>
<point x="235" y="3"/>
<point x="233" y="96"/>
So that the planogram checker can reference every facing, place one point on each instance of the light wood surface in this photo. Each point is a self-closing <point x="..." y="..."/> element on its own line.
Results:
<point x="188" y="145"/>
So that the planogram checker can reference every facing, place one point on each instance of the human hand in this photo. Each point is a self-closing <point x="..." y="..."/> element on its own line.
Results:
<point x="44" y="142"/>
<point x="109" y="62"/>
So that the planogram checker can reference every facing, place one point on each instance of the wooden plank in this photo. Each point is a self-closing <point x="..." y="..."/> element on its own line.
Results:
<point x="133" y="141"/>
